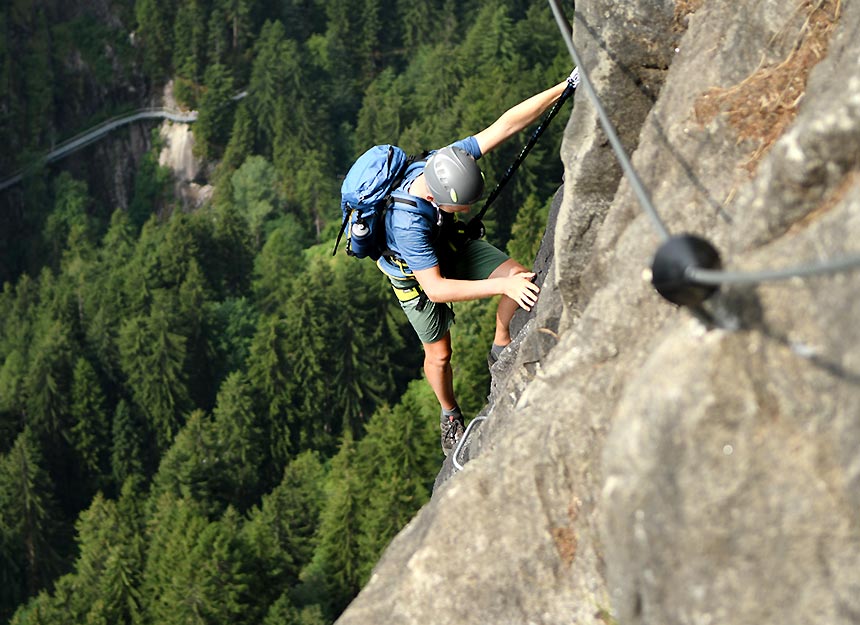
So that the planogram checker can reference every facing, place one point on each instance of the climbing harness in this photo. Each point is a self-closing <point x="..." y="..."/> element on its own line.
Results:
<point x="405" y="289"/>
<point x="410" y="293"/>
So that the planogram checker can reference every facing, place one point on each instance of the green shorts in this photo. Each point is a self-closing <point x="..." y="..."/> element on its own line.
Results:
<point x="475" y="261"/>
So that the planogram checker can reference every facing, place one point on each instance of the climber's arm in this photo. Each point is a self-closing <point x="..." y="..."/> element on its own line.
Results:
<point x="518" y="117"/>
<point x="518" y="287"/>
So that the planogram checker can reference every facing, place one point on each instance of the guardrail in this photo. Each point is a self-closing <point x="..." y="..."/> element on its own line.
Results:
<point x="97" y="132"/>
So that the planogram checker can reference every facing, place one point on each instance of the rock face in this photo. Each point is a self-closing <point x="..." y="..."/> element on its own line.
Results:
<point x="120" y="154"/>
<point x="177" y="154"/>
<point x="645" y="463"/>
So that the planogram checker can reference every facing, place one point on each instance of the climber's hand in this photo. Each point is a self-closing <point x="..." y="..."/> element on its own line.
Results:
<point x="573" y="79"/>
<point x="520" y="288"/>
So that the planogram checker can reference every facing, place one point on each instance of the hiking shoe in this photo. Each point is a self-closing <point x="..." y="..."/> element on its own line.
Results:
<point x="452" y="430"/>
<point x="494" y="353"/>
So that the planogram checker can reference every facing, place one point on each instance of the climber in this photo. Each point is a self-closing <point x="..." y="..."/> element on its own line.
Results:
<point x="432" y="265"/>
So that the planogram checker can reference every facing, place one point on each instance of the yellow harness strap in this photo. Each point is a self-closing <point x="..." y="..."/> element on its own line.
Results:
<point x="406" y="295"/>
<point x="403" y="294"/>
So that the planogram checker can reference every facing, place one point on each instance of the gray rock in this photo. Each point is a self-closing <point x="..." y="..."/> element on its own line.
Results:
<point x="644" y="463"/>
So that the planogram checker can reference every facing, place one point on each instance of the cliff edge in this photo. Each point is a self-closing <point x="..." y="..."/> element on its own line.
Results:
<point x="646" y="463"/>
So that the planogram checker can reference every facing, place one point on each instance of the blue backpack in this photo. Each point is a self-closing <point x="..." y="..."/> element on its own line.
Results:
<point x="365" y="195"/>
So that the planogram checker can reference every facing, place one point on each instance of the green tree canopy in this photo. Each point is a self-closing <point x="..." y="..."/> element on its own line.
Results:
<point x="28" y="522"/>
<point x="236" y="419"/>
<point x="90" y="430"/>
<point x="152" y="357"/>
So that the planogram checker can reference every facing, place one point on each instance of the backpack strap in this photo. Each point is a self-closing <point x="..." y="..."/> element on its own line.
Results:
<point x="400" y="200"/>
<point x="403" y="201"/>
<point x="340" y="232"/>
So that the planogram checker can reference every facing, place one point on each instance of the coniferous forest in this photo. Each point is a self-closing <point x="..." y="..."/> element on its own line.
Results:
<point x="204" y="416"/>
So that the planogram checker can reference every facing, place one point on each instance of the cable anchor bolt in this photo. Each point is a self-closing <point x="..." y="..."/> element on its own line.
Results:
<point x="672" y="265"/>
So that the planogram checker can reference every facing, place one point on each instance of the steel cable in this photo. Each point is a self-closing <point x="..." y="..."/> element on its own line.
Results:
<point x="633" y="178"/>
<point x="693" y="274"/>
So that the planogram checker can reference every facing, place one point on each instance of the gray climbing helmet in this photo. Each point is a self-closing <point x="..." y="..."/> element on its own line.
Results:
<point x="453" y="177"/>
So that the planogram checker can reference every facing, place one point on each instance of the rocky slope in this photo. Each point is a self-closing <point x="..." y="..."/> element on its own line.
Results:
<point x="645" y="463"/>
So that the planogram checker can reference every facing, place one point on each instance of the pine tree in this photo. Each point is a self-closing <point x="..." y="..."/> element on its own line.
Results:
<point x="192" y="299"/>
<point x="48" y="381"/>
<point x="215" y="113"/>
<point x="471" y="340"/>
<point x="12" y="397"/>
<point x="236" y="15"/>
<point x="396" y="460"/>
<point x="302" y="18"/>
<point x="189" y="36"/>
<point x="311" y="189"/>
<point x="279" y="264"/>
<point x="239" y="147"/>
<point x="368" y="365"/>
<point x="254" y="195"/>
<point x="384" y="113"/>
<point x="281" y="532"/>
<point x="337" y="564"/>
<point x="28" y="519"/>
<point x="141" y="274"/>
<point x="40" y="610"/>
<point x="58" y="303"/>
<point x="17" y="311"/>
<point x="123" y="573"/>
<point x="349" y="357"/>
<point x="196" y="570"/>
<point x="527" y="231"/>
<point x="420" y="23"/>
<point x="90" y="430"/>
<point x="176" y="249"/>
<point x="104" y="299"/>
<point x="128" y="444"/>
<point x="150" y="188"/>
<point x="218" y="38"/>
<point x="271" y="375"/>
<point x="230" y="326"/>
<point x="152" y="358"/>
<point x="241" y="444"/>
<point x="79" y="271"/>
<point x="283" y="612"/>
<point x="232" y="253"/>
<point x="219" y="583"/>
<point x="348" y="57"/>
<point x="305" y="346"/>
<point x="103" y="587"/>
<point x="193" y="469"/>
<point x="70" y="209"/>
<point x="117" y="245"/>
<point x="173" y="529"/>
<point x="154" y="34"/>
<point x="19" y="321"/>
<point x="275" y="76"/>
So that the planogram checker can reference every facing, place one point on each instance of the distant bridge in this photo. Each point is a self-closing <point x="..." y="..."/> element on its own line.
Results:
<point x="97" y="132"/>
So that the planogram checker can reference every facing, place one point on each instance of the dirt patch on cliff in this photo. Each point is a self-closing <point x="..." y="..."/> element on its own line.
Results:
<point x="762" y="106"/>
<point x="683" y="9"/>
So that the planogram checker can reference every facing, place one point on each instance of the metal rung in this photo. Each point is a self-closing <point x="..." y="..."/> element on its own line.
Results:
<point x="457" y="465"/>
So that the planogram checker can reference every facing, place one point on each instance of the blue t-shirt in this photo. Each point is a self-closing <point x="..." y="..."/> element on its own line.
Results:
<point x="410" y="236"/>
